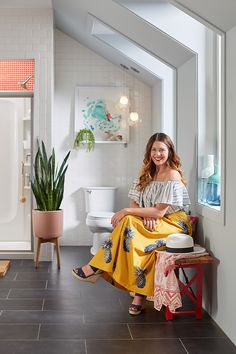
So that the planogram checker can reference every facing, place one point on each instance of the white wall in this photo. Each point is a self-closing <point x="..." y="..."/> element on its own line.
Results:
<point x="157" y="107"/>
<point x="28" y="34"/>
<point x="187" y="125"/>
<point x="75" y="65"/>
<point x="221" y="239"/>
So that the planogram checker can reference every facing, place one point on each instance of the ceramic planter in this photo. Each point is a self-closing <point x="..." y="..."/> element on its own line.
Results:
<point x="47" y="224"/>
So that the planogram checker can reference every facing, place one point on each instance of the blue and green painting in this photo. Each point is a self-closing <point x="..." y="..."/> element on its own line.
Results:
<point x="97" y="117"/>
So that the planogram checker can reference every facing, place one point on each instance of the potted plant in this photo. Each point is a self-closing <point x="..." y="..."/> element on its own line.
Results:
<point x="48" y="189"/>
<point x="85" y="137"/>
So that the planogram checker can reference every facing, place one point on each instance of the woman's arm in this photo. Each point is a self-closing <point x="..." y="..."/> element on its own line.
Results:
<point x="156" y="212"/>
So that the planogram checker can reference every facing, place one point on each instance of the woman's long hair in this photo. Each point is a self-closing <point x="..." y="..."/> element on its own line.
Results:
<point x="149" y="168"/>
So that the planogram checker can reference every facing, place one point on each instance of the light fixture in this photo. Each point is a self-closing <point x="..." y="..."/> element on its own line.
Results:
<point x="124" y="99"/>
<point x="133" y="116"/>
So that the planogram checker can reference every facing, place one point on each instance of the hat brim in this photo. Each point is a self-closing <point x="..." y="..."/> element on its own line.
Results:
<point x="196" y="250"/>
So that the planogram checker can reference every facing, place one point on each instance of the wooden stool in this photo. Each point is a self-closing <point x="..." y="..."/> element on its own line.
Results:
<point x="52" y="240"/>
<point x="197" y="264"/>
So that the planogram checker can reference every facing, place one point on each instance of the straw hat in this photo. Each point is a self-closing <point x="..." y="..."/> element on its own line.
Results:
<point x="182" y="243"/>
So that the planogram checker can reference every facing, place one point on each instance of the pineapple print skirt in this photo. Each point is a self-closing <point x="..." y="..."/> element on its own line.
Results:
<point x="128" y="257"/>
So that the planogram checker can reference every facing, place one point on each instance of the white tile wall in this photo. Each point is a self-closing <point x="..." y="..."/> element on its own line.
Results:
<point x="76" y="65"/>
<point x="28" y="34"/>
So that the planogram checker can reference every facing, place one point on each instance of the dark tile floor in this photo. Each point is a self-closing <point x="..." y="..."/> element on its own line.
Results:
<point x="47" y="311"/>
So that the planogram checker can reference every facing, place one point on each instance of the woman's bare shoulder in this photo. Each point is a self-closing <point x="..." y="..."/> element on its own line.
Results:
<point x="173" y="175"/>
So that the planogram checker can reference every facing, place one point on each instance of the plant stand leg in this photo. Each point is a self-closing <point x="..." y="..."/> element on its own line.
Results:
<point x="38" y="253"/>
<point x="58" y="253"/>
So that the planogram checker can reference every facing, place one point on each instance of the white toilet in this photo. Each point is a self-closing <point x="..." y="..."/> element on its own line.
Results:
<point x="100" y="206"/>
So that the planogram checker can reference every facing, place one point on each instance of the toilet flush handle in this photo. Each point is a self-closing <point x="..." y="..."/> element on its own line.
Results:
<point x="88" y="191"/>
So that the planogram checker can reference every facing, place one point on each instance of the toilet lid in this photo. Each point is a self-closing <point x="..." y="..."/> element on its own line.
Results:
<point x="100" y="215"/>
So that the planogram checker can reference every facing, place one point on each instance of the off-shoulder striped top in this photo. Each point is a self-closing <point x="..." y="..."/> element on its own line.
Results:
<point x="173" y="193"/>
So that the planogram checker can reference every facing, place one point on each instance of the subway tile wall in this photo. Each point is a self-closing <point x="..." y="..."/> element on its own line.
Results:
<point x="28" y="34"/>
<point x="13" y="73"/>
<point x="76" y="65"/>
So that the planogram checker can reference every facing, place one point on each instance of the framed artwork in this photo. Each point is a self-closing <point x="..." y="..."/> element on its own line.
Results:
<point x="99" y="109"/>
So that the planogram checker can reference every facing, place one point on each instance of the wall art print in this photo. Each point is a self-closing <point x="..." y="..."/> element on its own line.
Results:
<point x="99" y="109"/>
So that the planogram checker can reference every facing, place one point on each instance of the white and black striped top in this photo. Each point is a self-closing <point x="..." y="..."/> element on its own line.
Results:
<point x="173" y="193"/>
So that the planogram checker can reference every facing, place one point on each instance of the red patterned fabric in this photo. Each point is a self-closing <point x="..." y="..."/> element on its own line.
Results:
<point x="166" y="291"/>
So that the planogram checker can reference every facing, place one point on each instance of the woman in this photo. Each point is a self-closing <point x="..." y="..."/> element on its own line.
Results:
<point x="158" y="198"/>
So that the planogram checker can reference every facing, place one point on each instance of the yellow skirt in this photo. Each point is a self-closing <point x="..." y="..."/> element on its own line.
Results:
<point x="128" y="257"/>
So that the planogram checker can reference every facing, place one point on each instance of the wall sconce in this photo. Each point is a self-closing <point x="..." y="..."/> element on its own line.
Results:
<point x="124" y="99"/>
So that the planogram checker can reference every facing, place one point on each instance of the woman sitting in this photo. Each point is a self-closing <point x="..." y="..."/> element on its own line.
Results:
<point x="158" y="197"/>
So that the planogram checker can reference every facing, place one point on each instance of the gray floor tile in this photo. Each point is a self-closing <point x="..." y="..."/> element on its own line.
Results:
<point x="21" y="304"/>
<point x="42" y="294"/>
<point x="12" y="331"/>
<point x="33" y="276"/>
<point x="122" y="316"/>
<point x="42" y="347"/>
<point x="82" y="305"/>
<point x="85" y="331"/>
<point x="160" y="346"/>
<point x="209" y="346"/>
<point x="4" y="293"/>
<point x="75" y="310"/>
<point x="41" y="317"/>
<point x="14" y="284"/>
<point x="174" y="330"/>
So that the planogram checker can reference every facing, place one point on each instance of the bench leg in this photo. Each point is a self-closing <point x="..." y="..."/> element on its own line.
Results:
<point x="169" y="315"/>
<point x="199" y="268"/>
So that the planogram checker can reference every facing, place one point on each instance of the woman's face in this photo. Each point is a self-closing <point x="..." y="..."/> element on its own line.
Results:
<point x="159" y="153"/>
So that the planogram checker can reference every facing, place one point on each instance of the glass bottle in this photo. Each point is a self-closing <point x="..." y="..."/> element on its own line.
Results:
<point x="213" y="188"/>
<point x="206" y="173"/>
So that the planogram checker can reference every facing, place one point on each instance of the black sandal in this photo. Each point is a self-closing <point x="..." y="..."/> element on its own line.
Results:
<point x="79" y="274"/>
<point x="135" y="309"/>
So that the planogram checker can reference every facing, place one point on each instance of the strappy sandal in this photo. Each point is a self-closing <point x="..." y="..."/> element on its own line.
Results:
<point x="136" y="309"/>
<point x="79" y="274"/>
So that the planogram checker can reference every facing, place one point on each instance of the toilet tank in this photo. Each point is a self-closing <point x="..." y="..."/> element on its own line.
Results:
<point x="100" y="199"/>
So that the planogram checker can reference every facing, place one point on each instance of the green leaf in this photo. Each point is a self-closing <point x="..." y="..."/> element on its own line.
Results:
<point x="48" y="181"/>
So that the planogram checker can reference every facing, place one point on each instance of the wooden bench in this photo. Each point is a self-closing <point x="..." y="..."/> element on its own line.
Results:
<point x="196" y="263"/>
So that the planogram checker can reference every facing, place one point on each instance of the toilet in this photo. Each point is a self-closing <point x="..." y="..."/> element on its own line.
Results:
<point x="100" y="206"/>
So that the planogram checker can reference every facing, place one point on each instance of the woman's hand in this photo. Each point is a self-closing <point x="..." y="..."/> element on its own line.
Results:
<point x="118" y="216"/>
<point x="149" y="223"/>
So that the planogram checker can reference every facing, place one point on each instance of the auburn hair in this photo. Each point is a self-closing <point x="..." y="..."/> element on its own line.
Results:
<point x="149" y="168"/>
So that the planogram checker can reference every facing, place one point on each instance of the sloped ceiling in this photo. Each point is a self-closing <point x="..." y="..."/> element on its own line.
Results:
<point x="220" y="13"/>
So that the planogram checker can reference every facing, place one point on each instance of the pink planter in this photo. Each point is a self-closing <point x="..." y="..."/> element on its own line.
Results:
<point x="47" y="224"/>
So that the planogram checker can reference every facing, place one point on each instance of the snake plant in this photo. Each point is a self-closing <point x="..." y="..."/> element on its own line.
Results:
<point x="85" y="137"/>
<point x="48" y="179"/>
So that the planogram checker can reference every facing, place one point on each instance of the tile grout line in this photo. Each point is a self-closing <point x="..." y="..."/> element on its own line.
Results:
<point x="15" y="277"/>
<point x="183" y="345"/>
<point x="8" y="293"/>
<point x="46" y="285"/>
<point x="43" y="304"/>
<point x="85" y="346"/>
<point x="38" y="331"/>
<point x="129" y="331"/>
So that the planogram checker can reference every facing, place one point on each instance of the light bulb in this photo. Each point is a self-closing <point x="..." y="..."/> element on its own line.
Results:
<point x="133" y="116"/>
<point x="124" y="100"/>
